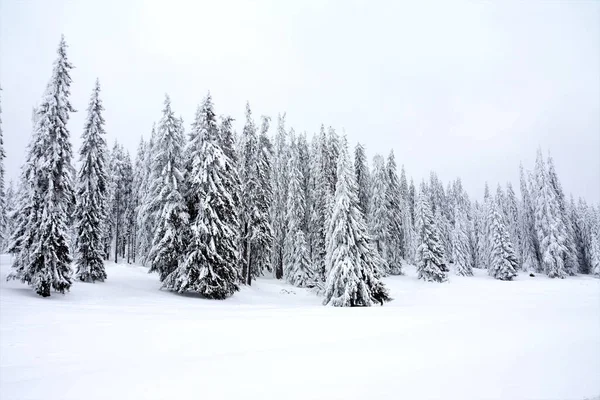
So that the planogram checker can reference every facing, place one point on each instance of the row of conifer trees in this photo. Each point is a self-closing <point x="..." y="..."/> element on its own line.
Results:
<point x="210" y="209"/>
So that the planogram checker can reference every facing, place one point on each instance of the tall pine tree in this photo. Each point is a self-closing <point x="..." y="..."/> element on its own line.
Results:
<point x="430" y="253"/>
<point x="210" y="262"/>
<point x="92" y="191"/>
<point x="351" y="261"/>
<point x="169" y="242"/>
<point x="43" y="259"/>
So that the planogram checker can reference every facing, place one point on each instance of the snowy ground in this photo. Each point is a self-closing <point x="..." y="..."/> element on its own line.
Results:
<point x="471" y="338"/>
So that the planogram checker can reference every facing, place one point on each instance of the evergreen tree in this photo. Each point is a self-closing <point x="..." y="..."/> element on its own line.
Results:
<point x="332" y="151"/>
<point x="430" y="254"/>
<point x="577" y="216"/>
<point x="43" y="259"/>
<point x="528" y="243"/>
<point x="280" y="191"/>
<point x="119" y="193"/>
<point x="571" y="262"/>
<point x="128" y="198"/>
<point x="512" y="219"/>
<point x="361" y="170"/>
<point x="378" y="213"/>
<point x="320" y="207"/>
<point x="256" y="229"/>
<point x="395" y="247"/>
<point x="503" y="263"/>
<point x="304" y="157"/>
<point x="412" y="200"/>
<point x="139" y="189"/>
<point x="351" y="261"/>
<point x="548" y="223"/>
<point x="265" y="199"/>
<point x="210" y="262"/>
<point x="227" y="138"/>
<point x="169" y="242"/>
<point x="462" y="257"/>
<point x="148" y="208"/>
<point x="298" y="270"/>
<point x="91" y="211"/>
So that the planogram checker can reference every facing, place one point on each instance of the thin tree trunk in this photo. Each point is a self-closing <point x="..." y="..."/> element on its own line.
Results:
<point x="249" y="267"/>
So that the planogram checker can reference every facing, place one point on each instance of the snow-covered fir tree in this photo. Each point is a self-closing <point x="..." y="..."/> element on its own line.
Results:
<point x="169" y="242"/>
<point x="92" y="192"/>
<point x="129" y="198"/>
<point x="147" y="209"/>
<point x="430" y="253"/>
<point x="257" y="234"/>
<point x="210" y="261"/>
<point x="41" y="245"/>
<point x="528" y="254"/>
<point x="297" y="267"/>
<point x="463" y="259"/>
<point x="332" y="151"/>
<point x="119" y="199"/>
<point x="12" y="194"/>
<point x="361" y="169"/>
<point x="571" y="262"/>
<point x="264" y="198"/>
<point x="412" y="199"/>
<point x="395" y="246"/>
<point x="551" y="238"/>
<point x="280" y="191"/>
<point x="139" y="190"/>
<point x="503" y="263"/>
<point x="577" y="214"/>
<point x="319" y="206"/>
<point x="304" y="157"/>
<point x="351" y="260"/>
<point x="378" y="219"/>
<point x="511" y="213"/>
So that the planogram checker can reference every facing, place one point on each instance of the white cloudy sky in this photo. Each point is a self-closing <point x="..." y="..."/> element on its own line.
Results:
<point x="464" y="88"/>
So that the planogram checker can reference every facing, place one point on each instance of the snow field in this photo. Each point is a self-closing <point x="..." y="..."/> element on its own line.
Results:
<point x="470" y="338"/>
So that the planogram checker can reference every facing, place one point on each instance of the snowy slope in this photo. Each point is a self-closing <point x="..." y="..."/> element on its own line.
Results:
<point x="470" y="338"/>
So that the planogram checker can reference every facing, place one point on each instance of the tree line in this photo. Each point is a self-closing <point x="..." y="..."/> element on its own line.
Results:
<point x="209" y="209"/>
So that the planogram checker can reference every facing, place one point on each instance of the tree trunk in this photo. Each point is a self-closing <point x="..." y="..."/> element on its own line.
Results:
<point x="249" y="265"/>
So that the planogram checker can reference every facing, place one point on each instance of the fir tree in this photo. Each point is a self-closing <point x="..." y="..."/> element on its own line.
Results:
<point x="331" y="155"/>
<point x="319" y="206"/>
<point x="461" y="247"/>
<point x="298" y="270"/>
<point x="264" y="248"/>
<point x="395" y="246"/>
<point x="412" y="200"/>
<point x="430" y="254"/>
<point x="304" y="157"/>
<point x="280" y="191"/>
<point x="148" y="208"/>
<point x="257" y="234"/>
<point x="43" y="259"/>
<point x="361" y="170"/>
<point x="169" y="242"/>
<point x="528" y="253"/>
<point x="503" y="263"/>
<point x="210" y="263"/>
<point x="351" y="260"/>
<point x="547" y="224"/>
<point x="571" y="262"/>
<point x="379" y="213"/>
<point x="91" y="211"/>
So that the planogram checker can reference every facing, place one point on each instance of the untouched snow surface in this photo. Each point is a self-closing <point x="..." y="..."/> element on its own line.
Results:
<point x="470" y="338"/>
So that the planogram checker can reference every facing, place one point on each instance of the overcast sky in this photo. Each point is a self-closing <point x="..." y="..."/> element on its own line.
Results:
<point x="465" y="89"/>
